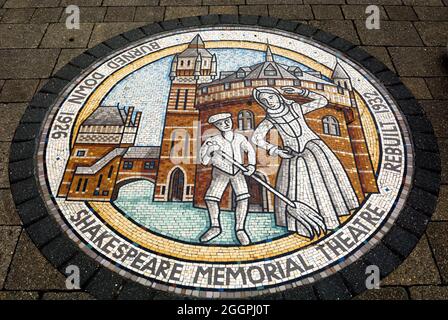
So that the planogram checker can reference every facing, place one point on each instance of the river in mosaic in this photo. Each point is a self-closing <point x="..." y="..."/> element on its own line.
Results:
<point x="182" y="221"/>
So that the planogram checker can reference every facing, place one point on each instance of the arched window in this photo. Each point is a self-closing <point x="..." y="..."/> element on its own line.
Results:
<point x="245" y="120"/>
<point x="331" y="126"/>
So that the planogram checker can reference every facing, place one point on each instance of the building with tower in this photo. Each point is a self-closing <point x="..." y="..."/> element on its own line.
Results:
<point x="104" y="156"/>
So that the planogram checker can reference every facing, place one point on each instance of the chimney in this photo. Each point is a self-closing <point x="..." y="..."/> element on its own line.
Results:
<point x="129" y="116"/>
<point x="137" y="119"/>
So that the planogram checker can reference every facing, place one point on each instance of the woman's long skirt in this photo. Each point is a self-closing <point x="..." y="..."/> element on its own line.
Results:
<point x="315" y="177"/>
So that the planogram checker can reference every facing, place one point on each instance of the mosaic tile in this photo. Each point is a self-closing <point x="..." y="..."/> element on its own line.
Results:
<point x="225" y="161"/>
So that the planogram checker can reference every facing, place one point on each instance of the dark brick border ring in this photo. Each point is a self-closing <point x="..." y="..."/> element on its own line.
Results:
<point x="393" y="248"/>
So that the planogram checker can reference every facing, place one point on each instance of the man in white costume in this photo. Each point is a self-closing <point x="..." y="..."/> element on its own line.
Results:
<point x="223" y="173"/>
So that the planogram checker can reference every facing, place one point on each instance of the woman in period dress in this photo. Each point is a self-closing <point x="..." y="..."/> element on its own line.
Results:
<point x="309" y="173"/>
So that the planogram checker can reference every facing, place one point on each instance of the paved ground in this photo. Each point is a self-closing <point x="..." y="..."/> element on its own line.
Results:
<point x="34" y="44"/>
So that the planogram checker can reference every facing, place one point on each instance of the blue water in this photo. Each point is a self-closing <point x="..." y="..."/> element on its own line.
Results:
<point x="181" y="221"/>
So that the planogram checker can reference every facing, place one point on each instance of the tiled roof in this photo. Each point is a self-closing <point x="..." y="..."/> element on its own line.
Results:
<point x="105" y="115"/>
<point x="142" y="152"/>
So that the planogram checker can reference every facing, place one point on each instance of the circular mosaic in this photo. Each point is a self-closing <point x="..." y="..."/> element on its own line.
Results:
<point x="224" y="160"/>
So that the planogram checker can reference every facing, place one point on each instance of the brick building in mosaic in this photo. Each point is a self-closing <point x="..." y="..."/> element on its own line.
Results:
<point x="104" y="157"/>
<point x="195" y="94"/>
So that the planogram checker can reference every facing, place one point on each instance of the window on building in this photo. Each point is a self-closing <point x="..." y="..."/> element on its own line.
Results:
<point x="227" y="86"/>
<point x="98" y="185"/>
<point x="270" y="70"/>
<point x="78" y="186"/>
<point x="188" y="190"/>
<point x="319" y="86"/>
<point x="84" y="187"/>
<point x="204" y="89"/>
<point x="105" y="193"/>
<point x="162" y="190"/>
<point x="271" y="82"/>
<point x="240" y="74"/>
<point x="245" y="120"/>
<point x="111" y="170"/>
<point x="181" y="63"/>
<point x="331" y="126"/>
<point x="297" y="82"/>
<point x="80" y="153"/>
<point x="340" y="90"/>
<point x="247" y="83"/>
<point x="177" y="98"/>
<point x="185" y="99"/>
<point x="149" y="165"/>
<point x="128" y="165"/>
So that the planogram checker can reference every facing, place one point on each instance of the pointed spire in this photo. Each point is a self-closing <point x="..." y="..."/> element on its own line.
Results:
<point x="269" y="56"/>
<point x="213" y="67"/>
<point x="197" y="42"/>
<point x="339" y="72"/>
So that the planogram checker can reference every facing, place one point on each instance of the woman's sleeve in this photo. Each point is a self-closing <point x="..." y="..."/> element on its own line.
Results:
<point x="259" y="136"/>
<point x="319" y="101"/>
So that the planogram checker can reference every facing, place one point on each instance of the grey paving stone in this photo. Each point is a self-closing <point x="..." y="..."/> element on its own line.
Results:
<point x="81" y="3"/>
<point x="30" y="3"/>
<point x="438" y="87"/>
<point x="8" y="213"/>
<point x="58" y="36"/>
<point x="104" y="31"/>
<point x="149" y="14"/>
<point x="368" y="2"/>
<point x="443" y="147"/>
<point x="45" y="15"/>
<point x="8" y="241"/>
<point x="187" y="11"/>
<point x="19" y="295"/>
<point x="437" y="232"/>
<point x="381" y="54"/>
<point x="29" y="270"/>
<point x="18" y="90"/>
<point x="429" y="293"/>
<point x="325" y="12"/>
<point x="21" y="35"/>
<point x="119" y="3"/>
<point x="343" y="29"/>
<point x="435" y="111"/>
<point x="67" y="296"/>
<point x="274" y="1"/>
<point x="119" y="14"/>
<point x="433" y="33"/>
<point x="17" y="15"/>
<point x="65" y="57"/>
<point x="391" y="33"/>
<point x="441" y="212"/>
<point x="418" y="268"/>
<point x="223" y="10"/>
<point x="432" y="13"/>
<point x="27" y="63"/>
<point x="401" y="13"/>
<point x="88" y="14"/>
<point x="180" y="2"/>
<point x="222" y="2"/>
<point x="260" y="10"/>
<point x="387" y="293"/>
<point x="418" y="87"/>
<point x="10" y="114"/>
<point x="324" y="1"/>
<point x="293" y="12"/>
<point x="358" y="12"/>
<point x="4" y="159"/>
<point x="419" y="62"/>
<point x="423" y="2"/>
